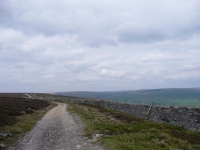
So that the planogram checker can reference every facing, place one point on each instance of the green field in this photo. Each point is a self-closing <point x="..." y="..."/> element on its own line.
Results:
<point x="167" y="97"/>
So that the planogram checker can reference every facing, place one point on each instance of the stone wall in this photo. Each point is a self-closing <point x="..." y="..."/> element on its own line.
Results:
<point x="189" y="118"/>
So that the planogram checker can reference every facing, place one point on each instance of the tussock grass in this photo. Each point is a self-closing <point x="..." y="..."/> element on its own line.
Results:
<point x="125" y="132"/>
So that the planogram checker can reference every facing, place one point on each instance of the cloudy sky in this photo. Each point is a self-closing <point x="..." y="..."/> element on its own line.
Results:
<point x="87" y="45"/>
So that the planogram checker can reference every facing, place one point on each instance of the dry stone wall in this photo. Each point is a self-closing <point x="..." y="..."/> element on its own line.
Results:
<point x="189" y="118"/>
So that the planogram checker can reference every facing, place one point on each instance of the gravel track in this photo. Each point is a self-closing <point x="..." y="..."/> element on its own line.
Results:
<point x="57" y="130"/>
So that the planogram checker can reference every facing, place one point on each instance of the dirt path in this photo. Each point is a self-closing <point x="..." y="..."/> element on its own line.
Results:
<point x="57" y="130"/>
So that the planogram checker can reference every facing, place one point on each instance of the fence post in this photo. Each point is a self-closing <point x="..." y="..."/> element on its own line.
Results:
<point x="149" y="111"/>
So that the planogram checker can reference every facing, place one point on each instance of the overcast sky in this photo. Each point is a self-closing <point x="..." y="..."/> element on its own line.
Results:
<point x="87" y="45"/>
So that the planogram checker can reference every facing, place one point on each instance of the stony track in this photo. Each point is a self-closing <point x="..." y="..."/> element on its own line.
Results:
<point x="57" y="130"/>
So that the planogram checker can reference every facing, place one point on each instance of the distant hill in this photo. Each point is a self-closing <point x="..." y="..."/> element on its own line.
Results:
<point x="173" y="96"/>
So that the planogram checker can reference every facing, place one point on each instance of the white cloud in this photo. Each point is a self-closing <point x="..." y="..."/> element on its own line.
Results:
<point x="105" y="45"/>
<point x="16" y="76"/>
<point x="49" y="76"/>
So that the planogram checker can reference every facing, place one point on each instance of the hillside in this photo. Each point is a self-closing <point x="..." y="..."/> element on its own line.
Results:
<point x="176" y="97"/>
<point x="110" y="128"/>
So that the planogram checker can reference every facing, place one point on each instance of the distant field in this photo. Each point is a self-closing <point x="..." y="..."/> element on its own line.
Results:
<point x="177" y="97"/>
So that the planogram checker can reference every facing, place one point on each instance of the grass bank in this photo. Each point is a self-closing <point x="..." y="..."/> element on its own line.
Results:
<point x="24" y="124"/>
<point x="119" y="131"/>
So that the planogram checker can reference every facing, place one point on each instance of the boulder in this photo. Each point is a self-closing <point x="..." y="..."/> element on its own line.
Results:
<point x="2" y="145"/>
<point x="6" y="134"/>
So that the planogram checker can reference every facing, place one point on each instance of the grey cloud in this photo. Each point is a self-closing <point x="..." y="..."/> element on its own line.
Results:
<point x="4" y="12"/>
<point x="141" y="36"/>
<point x="156" y="21"/>
<point x="28" y="18"/>
<point x="98" y="41"/>
<point x="105" y="45"/>
<point x="77" y="68"/>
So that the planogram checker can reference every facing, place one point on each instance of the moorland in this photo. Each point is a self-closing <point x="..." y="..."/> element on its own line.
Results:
<point x="18" y="115"/>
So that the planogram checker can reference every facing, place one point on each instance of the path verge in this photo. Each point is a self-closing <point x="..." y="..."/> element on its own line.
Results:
<point x="119" y="131"/>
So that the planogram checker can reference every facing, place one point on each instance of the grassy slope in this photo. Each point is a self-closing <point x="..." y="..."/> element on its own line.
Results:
<point x="184" y="97"/>
<point x="125" y="132"/>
